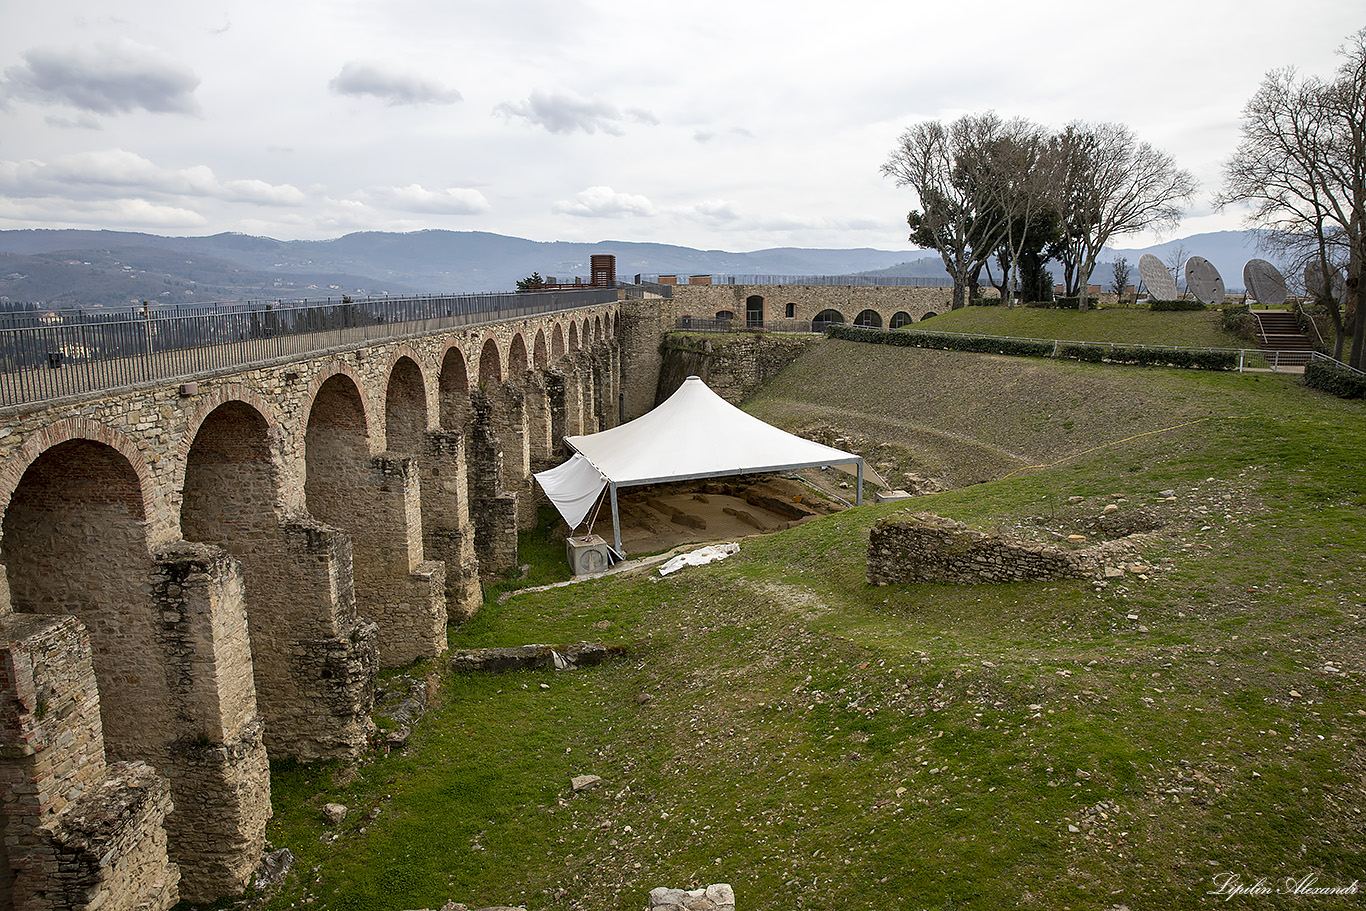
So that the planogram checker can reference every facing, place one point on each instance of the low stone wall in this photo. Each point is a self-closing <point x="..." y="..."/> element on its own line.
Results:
<point x="733" y="366"/>
<point x="716" y="897"/>
<point x="921" y="547"/>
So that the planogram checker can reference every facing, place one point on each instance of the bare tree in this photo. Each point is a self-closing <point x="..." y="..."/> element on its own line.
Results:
<point x="1176" y="258"/>
<point x="1120" y="281"/>
<point x="928" y="159"/>
<point x="1301" y="166"/>
<point x="1010" y="166"/>
<point x="1111" y="185"/>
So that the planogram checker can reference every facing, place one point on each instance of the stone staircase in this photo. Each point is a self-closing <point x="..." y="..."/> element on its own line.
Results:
<point x="1279" y="336"/>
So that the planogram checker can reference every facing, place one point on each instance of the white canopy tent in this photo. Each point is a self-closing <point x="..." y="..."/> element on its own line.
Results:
<point x="694" y="434"/>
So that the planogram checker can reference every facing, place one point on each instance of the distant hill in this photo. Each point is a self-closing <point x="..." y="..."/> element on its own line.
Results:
<point x="114" y="268"/>
<point x="74" y="268"/>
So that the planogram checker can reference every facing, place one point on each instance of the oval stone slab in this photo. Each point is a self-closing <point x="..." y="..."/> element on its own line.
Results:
<point x="1159" y="282"/>
<point x="1314" y="283"/>
<point x="1264" y="282"/>
<point x="1204" y="281"/>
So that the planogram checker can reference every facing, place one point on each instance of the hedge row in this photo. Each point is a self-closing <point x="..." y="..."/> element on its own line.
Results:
<point x="1176" y="305"/>
<point x="972" y="343"/>
<point x="1151" y="357"/>
<point x="1061" y="303"/>
<point x="1333" y="378"/>
<point x="1095" y="354"/>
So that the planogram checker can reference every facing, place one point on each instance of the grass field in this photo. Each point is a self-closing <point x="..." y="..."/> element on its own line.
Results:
<point x="820" y="743"/>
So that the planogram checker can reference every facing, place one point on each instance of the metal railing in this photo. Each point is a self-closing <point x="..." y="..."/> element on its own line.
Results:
<point x="1249" y="359"/>
<point x="642" y="290"/>
<point x="1320" y="356"/>
<point x="51" y="354"/>
<point x="860" y="281"/>
<point x="738" y="324"/>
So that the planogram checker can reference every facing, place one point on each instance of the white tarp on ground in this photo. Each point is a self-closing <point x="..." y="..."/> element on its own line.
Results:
<point x="694" y="434"/>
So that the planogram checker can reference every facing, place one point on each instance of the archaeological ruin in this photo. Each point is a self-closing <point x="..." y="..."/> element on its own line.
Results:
<point x="214" y="537"/>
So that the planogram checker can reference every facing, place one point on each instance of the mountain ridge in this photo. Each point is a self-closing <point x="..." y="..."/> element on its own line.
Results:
<point x="74" y="268"/>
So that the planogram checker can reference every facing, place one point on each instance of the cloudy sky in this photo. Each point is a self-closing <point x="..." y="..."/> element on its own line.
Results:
<point x="720" y="125"/>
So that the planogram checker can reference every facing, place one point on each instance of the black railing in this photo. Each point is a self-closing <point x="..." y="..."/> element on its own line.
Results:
<point x="859" y="281"/>
<point x="50" y="354"/>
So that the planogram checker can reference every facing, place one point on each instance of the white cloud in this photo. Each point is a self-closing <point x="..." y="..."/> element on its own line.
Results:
<point x="360" y="79"/>
<point x="120" y="174"/>
<point x="108" y="78"/>
<point x="417" y="198"/>
<point x="565" y="114"/>
<point x="79" y="122"/>
<point x="716" y="210"/>
<point x="112" y="213"/>
<point x="262" y="193"/>
<point x="604" y="202"/>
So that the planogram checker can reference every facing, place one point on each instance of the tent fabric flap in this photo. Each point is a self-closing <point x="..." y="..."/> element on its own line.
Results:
<point x="573" y="487"/>
<point x="698" y="434"/>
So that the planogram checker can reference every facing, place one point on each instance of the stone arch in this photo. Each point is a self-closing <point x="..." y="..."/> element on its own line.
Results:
<point x="80" y="429"/>
<point x="870" y="318"/>
<point x="597" y="328"/>
<point x="725" y="315"/>
<point x="330" y="372"/>
<point x="490" y="364"/>
<point x="374" y="499"/>
<point x="517" y="356"/>
<point x="616" y="324"/>
<point x="540" y="354"/>
<point x="900" y="318"/>
<point x="825" y="318"/>
<point x="928" y="315"/>
<point x="453" y="389"/>
<point x="230" y="478"/>
<point x="75" y="542"/>
<point x="573" y="336"/>
<point x="754" y="310"/>
<point x="222" y="395"/>
<point x="405" y="408"/>
<point x="557" y="343"/>
<point x="336" y="446"/>
<point x="790" y="311"/>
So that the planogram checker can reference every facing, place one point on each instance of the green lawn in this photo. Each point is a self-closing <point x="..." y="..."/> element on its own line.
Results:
<point x="821" y="743"/>
<point x="1192" y="328"/>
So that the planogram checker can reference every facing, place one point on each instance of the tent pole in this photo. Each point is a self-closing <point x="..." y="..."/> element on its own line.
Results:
<point x="858" y="500"/>
<point x="616" y="521"/>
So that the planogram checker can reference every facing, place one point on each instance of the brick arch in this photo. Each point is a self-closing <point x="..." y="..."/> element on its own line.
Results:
<point x="426" y="369"/>
<point x="490" y="362"/>
<point x="65" y="431"/>
<point x="374" y="427"/>
<point x="230" y="392"/>
<point x="540" y="353"/>
<point x="77" y="543"/>
<point x="405" y="406"/>
<point x="518" y="361"/>
<point x="453" y="387"/>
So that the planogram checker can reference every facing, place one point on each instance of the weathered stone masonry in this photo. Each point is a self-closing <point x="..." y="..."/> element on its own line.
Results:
<point x="194" y="576"/>
<point x="920" y="547"/>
